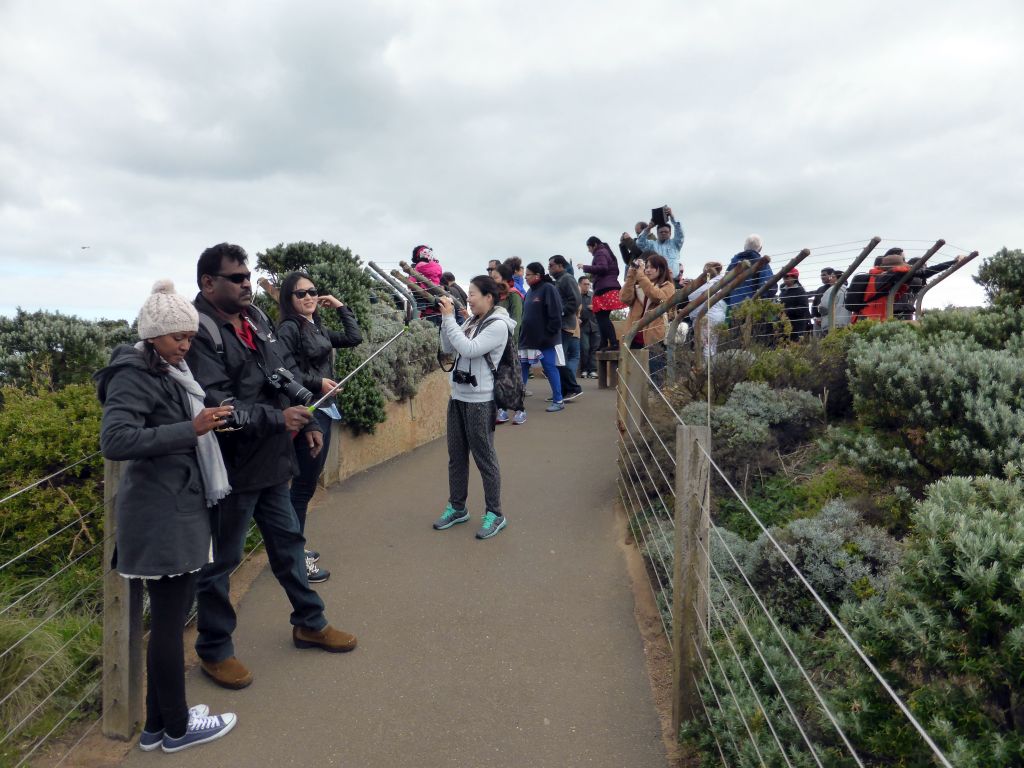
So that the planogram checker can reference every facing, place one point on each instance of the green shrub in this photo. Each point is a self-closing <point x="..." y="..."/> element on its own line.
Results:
<point x="1002" y="276"/>
<point x="41" y="434"/>
<point x="989" y="327"/>
<point x="754" y="423"/>
<point x="949" y="632"/>
<point x="48" y="351"/>
<point x="954" y="407"/>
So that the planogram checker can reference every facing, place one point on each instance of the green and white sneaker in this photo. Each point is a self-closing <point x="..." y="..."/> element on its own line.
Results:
<point x="491" y="524"/>
<point x="451" y="516"/>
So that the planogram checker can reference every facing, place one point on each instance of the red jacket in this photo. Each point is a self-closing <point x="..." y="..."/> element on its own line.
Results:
<point x="876" y="294"/>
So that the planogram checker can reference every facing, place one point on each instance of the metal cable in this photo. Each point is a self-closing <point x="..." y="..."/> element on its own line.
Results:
<point x="59" y="723"/>
<point x="736" y="654"/>
<point x="650" y="423"/>
<point x="661" y="585"/>
<point x="764" y="661"/>
<point x="651" y="528"/>
<point x="707" y="716"/>
<point x="50" y="578"/>
<point x="52" y="536"/>
<point x="49" y="477"/>
<point x="80" y="739"/>
<point x="718" y="701"/>
<point x="835" y="621"/>
<point x="655" y="460"/>
<point x="654" y="592"/>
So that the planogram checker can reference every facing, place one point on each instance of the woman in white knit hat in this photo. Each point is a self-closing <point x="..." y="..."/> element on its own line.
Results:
<point x="155" y="420"/>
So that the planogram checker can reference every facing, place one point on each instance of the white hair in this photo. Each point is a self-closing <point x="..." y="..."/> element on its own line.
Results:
<point x="753" y="243"/>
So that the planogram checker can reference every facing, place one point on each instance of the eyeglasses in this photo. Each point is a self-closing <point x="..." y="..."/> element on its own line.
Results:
<point x="307" y="292"/>
<point x="238" y="278"/>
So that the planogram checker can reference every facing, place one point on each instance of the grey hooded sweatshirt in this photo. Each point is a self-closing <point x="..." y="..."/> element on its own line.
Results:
<point x="470" y="347"/>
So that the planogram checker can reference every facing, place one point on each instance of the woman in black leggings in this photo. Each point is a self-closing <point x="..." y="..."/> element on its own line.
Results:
<point x="155" y="420"/>
<point x="604" y="271"/>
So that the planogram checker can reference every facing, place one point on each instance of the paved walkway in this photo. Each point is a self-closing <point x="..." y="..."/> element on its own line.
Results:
<point x="518" y="651"/>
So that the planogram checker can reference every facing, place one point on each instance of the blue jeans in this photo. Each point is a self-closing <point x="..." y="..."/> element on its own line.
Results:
<point x="548" y="361"/>
<point x="304" y="486"/>
<point x="657" y="356"/>
<point x="272" y="509"/>
<point x="571" y="348"/>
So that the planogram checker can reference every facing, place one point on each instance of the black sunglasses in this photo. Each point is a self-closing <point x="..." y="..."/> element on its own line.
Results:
<point x="307" y="292"/>
<point x="238" y="278"/>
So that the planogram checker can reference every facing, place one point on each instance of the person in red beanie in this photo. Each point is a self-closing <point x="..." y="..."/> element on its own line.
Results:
<point x="794" y="302"/>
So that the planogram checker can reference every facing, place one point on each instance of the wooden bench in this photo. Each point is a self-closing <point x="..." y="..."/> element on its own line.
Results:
<point x="607" y="369"/>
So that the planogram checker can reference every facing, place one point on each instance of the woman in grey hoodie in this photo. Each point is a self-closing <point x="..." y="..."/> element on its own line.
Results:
<point x="471" y="409"/>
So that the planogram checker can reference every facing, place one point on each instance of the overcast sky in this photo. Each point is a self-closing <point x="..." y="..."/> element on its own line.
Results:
<point x="148" y="131"/>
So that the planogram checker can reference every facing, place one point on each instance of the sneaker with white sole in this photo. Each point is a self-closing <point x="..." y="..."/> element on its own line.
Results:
<point x="201" y="729"/>
<point x="491" y="524"/>
<point x="312" y="553"/>
<point x="555" y="407"/>
<point x="502" y="416"/>
<point x="519" y="418"/>
<point x="150" y="740"/>
<point x="451" y="516"/>
<point x="314" y="573"/>
<point x="574" y="396"/>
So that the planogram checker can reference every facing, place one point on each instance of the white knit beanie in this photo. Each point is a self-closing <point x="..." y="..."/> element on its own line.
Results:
<point x="166" y="312"/>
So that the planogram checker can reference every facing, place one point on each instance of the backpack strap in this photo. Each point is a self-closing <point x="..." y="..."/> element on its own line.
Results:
<point x="212" y="328"/>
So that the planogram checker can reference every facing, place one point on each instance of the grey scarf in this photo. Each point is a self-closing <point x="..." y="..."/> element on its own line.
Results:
<point x="211" y="463"/>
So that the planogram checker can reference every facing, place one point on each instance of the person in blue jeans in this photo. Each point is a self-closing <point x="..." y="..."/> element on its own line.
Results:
<point x="569" y="293"/>
<point x="230" y="357"/>
<point x="541" y="337"/>
<point x="312" y="344"/>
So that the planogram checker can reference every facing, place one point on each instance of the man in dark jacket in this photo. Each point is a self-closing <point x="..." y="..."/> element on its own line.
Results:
<point x="794" y="302"/>
<point x="751" y="252"/>
<point x="232" y="357"/>
<point x="569" y="292"/>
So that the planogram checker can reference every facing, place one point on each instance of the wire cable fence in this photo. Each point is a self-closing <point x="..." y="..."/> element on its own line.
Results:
<point x="761" y="691"/>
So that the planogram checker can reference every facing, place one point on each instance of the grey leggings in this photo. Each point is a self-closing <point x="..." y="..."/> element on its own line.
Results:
<point x="471" y="430"/>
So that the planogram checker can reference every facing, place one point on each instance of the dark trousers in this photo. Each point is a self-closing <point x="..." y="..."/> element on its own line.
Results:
<point x="304" y="486"/>
<point x="567" y="372"/>
<point x="607" y="329"/>
<point x="590" y="342"/>
<point x="471" y="431"/>
<point x="272" y="509"/>
<point x="169" y="601"/>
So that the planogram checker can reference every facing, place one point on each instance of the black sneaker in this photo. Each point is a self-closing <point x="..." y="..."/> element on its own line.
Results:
<point x="573" y="396"/>
<point x="314" y="573"/>
<point x="313" y="555"/>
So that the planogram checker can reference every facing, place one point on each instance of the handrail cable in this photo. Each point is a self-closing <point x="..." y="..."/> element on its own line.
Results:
<point x="49" y="477"/>
<point x="647" y="546"/>
<point x="750" y="684"/>
<point x="78" y="741"/>
<point x="59" y="723"/>
<point x="835" y="621"/>
<point x="657" y="576"/>
<point x="728" y="684"/>
<point x="644" y="465"/>
<point x="53" y="576"/>
<point x="654" y="429"/>
<point x="48" y="659"/>
<point x="718" y="701"/>
<point x="35" y="546"/>
<point x="707" y="716"/>
<point x="661" y="588"/>
<point x="88" y="659"/>
<point x="70" y="602"/>
<point x="789" y="649"/>
<point x="756" y="646"/>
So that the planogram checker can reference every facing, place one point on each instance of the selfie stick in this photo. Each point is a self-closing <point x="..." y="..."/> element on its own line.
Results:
<point x="355" y="370"/>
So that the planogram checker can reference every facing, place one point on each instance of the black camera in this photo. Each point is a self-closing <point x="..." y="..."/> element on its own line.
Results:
<point x="282" y="380"/>
<point x="463" y="377"/>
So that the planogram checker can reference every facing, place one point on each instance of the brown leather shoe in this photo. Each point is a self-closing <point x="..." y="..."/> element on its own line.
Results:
<point x="328" y="638"/>
<point x="230" y="673"/>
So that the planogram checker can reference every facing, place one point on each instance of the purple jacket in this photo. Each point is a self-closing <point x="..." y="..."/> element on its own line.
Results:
<point x="604" y="270"/>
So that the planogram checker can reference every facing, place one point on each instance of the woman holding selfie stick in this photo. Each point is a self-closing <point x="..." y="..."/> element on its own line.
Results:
<point x="155" y="421"/>
<point x="604" y="271"/>
<point x="312" y="345"/>
<point x="471" y="409"/>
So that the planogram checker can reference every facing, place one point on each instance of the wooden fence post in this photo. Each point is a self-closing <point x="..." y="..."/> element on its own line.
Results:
<point x="689" y="601"/>
<point x="122" y="629"/>
<point x="633" y="386"/>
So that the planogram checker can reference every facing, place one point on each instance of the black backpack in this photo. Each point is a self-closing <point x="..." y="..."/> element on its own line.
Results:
<point x="508" y="376"/>
<point x="854" y="301"/>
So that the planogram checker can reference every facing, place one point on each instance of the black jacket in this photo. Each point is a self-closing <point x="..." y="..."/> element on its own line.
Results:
<point x="794" y="301"/>
<point x="163" y="523"/>
<point x="542" y="317"/>
<point x="312" y="346"/>
<point x="569" y="293"/>
<point x="261" y="454"/>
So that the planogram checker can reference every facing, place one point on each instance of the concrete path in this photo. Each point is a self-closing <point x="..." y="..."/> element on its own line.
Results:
<point x="517" y="651"/>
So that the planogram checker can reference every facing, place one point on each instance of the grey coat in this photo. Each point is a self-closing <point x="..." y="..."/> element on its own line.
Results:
<point x="163" y="523"/>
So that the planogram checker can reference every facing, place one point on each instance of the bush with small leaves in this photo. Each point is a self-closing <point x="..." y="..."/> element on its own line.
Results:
<point x="1002" y="277"/>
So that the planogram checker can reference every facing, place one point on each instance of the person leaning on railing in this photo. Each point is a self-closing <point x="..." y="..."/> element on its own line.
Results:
<point x="647" y="285"/>
<point x="154" y="419"/>
<point x="716" y="315"/>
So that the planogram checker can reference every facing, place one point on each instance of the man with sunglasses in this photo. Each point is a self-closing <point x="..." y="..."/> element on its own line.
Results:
<point x="231" y="357"/>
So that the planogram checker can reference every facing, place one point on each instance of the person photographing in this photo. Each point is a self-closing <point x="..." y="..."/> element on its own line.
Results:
<point x="478" y="346"/>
